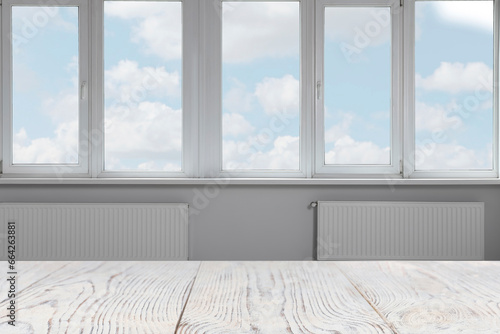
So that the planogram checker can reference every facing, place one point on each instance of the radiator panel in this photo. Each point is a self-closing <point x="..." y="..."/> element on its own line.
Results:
<point x="97" y="231"/>
<point x="400" y="231"/>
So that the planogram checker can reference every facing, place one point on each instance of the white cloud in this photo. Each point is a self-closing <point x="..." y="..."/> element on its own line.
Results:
<point x="234" y="124"/>
<point x="63" y="108"/>
<point x="242" y="155"/>
<point x="62" y="145"/>
<point x="126" y="82"/>
<point x="137" y="128"/>
<point x="458" y="77"/>
<point x="154" y="166"/>
<point x="279" y="99"/>
<point x="151" y="130"/>
<point x="348" y="151"/>
<point x="358" y="27"/>
<point x="235" y="154"/>
<point x="435" y="118"/>
<point x="283" y="155"/>
<point x="450" y="156"/>
<point x="475" y="14"/>
<point x="340" y="129"/>
<point x="260" y="29"/>
<point x="279" y="95"/>
<point x="61" y="148"/>
<point x="156" y="24"/>
<point x="238" y="99"/>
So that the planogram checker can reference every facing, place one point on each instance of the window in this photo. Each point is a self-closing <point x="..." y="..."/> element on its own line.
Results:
<point x="261" y="85"/>
<point x="143" y="86"/>
<point x="325" y="89"/>
<point x="454" y="118"/>
<point x="357" y="88"/>
<point x="45" y="101"/>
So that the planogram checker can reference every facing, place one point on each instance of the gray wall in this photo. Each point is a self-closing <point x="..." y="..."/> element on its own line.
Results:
<point x="258" y="222"/>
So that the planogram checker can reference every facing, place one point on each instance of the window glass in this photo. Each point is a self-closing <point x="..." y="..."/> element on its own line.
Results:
<point x="453" y="85"/>
<point x="45" y="85"/>
<point x="357" y="86"/>
<point x="261" y="85"/>
<point x="143" y="81"/>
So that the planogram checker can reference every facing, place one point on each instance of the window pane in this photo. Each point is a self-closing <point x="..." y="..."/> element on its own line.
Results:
<point x="45" y="85"/>
<point x="454" y="85"/>
<point x="261" y="95"/>
<point x="143" y="95"/>
<point x="357" y="91"/>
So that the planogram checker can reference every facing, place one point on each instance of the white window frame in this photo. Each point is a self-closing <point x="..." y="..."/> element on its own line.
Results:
<point x="372" y="171"/>
<point x="409" y="90"/>
<point x="202" y="104"/>
<point x="59" y="170"/>
<point x="190" y="66"/>
<point x="211" y="147"/>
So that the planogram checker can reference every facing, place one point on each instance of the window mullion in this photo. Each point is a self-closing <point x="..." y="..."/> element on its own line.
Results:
<point x="397" y="66"/>
<point x="210" y="95"/>
<point x="307" y="87"/>
<point x="2" y="82"/>
<point x="409" y="89"/>
<point x="191" y="83"/>
<point x="319" y="148"/>
<point x="496" y="77"/>
<point x="97" y="87"/>
<point x="84" y="148"/>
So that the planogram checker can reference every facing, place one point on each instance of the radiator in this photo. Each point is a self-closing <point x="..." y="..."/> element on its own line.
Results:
<point x="97" y="231"/>
<point x="400" y="230"/>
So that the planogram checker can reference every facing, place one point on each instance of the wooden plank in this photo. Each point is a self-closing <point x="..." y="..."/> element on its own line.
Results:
<point x="431" y="297"/>
<point x="276" y="297"/>
<point x="99" y="297"/>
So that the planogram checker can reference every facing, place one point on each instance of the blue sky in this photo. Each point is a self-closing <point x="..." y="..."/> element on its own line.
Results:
<point x="143" y="79"/>
<point x="357" y="77"/>
<point x="45" y="85"/>
<point x="261" y="66"/>
<point x="454" y="56"/>
<point x="454" y="50"/>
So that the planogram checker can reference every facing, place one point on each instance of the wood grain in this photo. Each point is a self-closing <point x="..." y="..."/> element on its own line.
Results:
<point x="99" y="297"/>
<point x="431" y="297"/>
<point x="255" y="297"/>
<point x="276" y="297"/>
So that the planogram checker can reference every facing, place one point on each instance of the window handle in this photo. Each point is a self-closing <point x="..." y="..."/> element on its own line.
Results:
<point x="83" y="90"/>
<point x="318" y="89"/>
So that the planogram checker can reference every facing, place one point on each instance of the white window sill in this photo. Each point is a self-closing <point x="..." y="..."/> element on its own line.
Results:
<point x="247" y="181"/>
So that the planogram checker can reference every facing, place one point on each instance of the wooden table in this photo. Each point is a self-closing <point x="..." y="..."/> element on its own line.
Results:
<point x="255" y="297"/>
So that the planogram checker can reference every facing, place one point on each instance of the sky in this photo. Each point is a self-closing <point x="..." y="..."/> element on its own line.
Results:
<point x="454" y="85"/>
<point x="357" y="92"/>
<point x="260" y="85"/>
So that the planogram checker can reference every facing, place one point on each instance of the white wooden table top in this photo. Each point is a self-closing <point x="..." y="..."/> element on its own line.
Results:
<point x="255" y="297"/>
